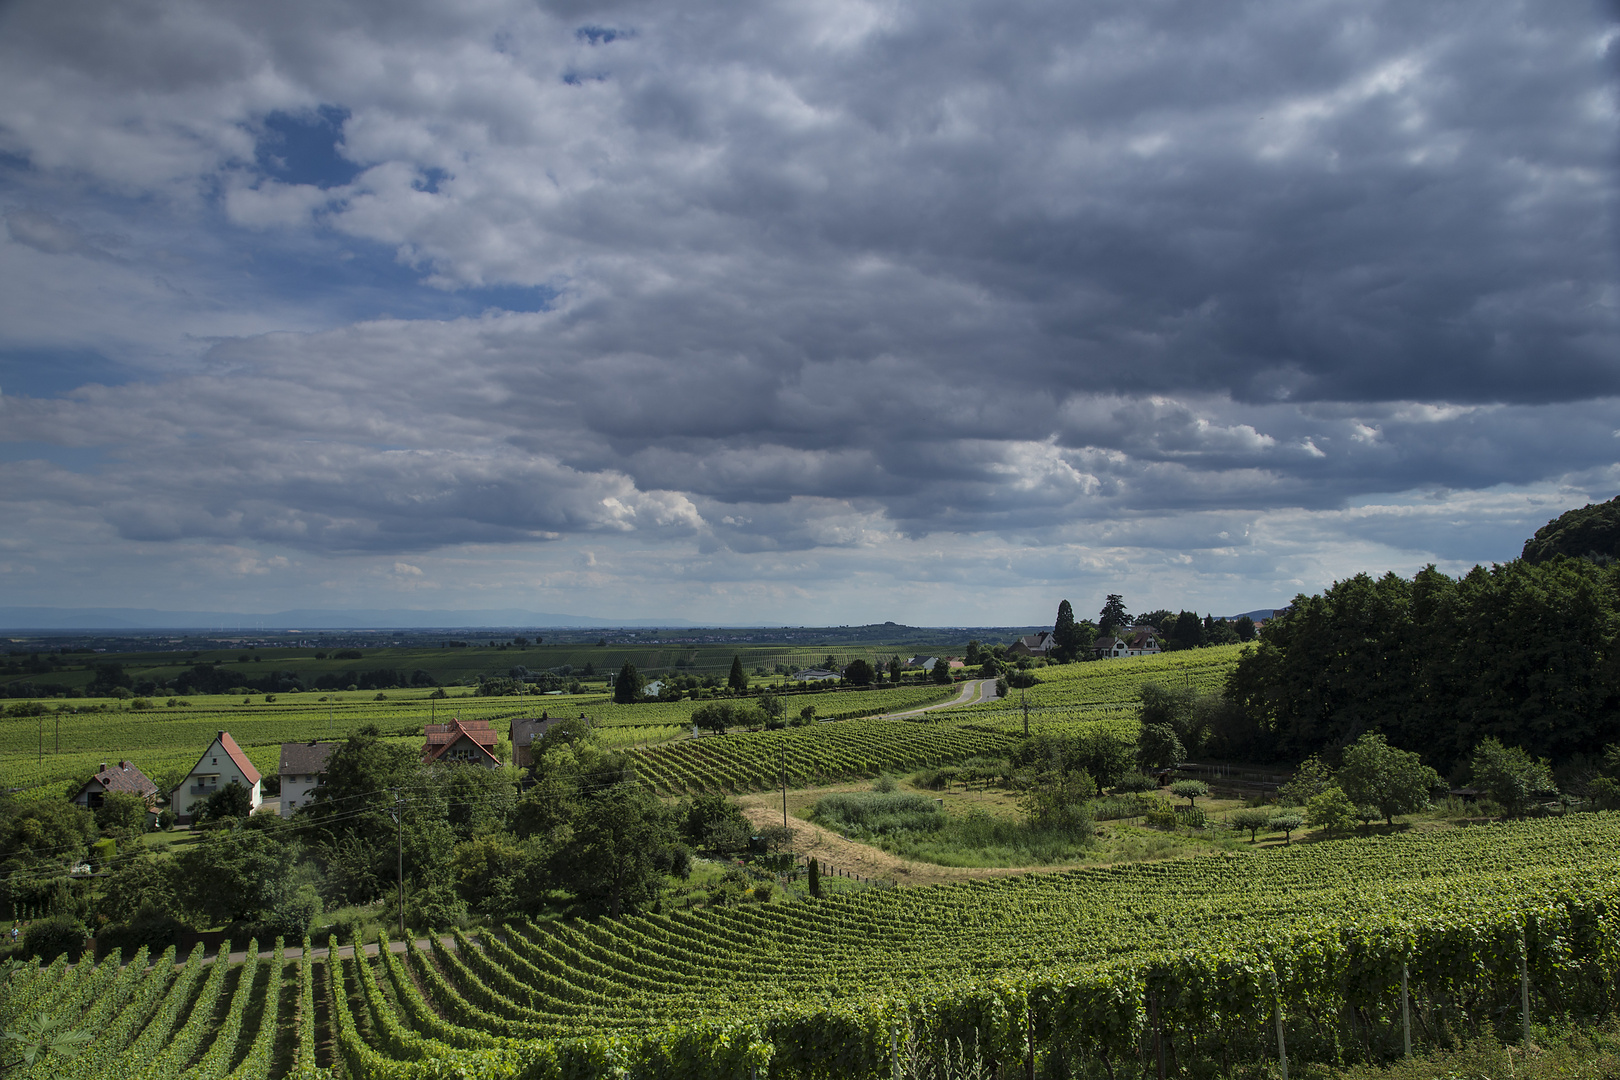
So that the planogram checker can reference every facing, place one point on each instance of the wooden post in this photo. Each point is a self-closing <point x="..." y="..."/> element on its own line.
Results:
<point x="1406" y="1014"/>
<point x="1158" y="1036"/>
<point x="1524" y="992"/>
<point x="1282" y="1047"/>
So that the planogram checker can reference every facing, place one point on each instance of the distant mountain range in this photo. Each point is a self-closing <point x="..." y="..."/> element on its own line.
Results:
<point x="49" y="618"/>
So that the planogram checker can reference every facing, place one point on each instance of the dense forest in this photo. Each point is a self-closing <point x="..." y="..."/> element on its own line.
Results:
<point x="1523" y="652"/>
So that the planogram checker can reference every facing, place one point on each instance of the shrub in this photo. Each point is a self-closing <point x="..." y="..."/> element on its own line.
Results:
<point x="1161" y="815"/>
<point x="1135" y="782"/>
<point x="141" y="704"/>
<point x="49" y="938"/>
<point x="936" y="779"/>
<point x="884" y="784"/>
<point x="155" y="929"/>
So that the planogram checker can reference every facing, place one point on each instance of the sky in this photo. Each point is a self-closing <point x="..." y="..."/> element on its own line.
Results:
<point x="797" y="313"/>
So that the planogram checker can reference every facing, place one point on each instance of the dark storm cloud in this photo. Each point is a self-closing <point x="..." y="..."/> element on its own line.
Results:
<point x="817" y="276"/>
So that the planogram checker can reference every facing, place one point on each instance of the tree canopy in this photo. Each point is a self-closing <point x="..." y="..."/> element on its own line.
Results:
<point x="1521" y="652"/>
<point x="1587" y="532"/>
<point x="1113" y="617"/>
<point x="628" y="686"/>
<point x="1394" y="781"/>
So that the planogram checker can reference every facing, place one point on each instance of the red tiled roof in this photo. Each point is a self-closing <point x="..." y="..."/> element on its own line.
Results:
<point x="234" y="752"/>
<point x="440" y="737"/>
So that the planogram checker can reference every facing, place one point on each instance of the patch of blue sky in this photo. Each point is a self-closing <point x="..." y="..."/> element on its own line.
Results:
<point x="601" y="35"/>
<point x="79" y="459"/>
<point x="44" y="372"/>
<point x="302" y="148"/>
<point x="349" y="280"/>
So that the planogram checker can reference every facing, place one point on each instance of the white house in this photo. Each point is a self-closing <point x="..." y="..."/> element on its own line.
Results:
<point x="303" y="768"/>
<point x="222" y="763"/>
<point x="1138" y="641"/>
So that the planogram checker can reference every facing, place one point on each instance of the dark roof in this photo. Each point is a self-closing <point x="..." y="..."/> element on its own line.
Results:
<point x="301" y="757"/>
<point x="525" y="729"/>
<point x="123" y="777"/>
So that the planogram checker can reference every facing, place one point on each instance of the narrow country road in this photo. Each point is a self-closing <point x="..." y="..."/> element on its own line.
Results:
<point x="973" y="692"/>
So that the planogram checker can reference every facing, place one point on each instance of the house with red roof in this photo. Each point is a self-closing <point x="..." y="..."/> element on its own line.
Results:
<point x="469" y="741"/>
<point x="221" y="764"/>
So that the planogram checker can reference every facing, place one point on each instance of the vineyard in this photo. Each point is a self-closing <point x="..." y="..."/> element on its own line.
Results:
<point x="44" y="754"/>
<point x="1229" y="959"/>
<point x="64" y="747"/>
<point x="821" y="754"/>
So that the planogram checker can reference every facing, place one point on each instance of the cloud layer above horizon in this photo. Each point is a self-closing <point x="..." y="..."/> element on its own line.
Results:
<point x="796" y="312"/>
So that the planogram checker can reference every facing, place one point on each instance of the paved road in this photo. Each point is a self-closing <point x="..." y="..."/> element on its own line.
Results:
<point x="973" y="691"/>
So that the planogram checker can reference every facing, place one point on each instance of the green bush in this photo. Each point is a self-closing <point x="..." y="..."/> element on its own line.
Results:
<point x="155" y="929"/>
<point x="58" y="935"/>
<point x="1161" y="815"/>
<point x="1192" y="816"/>
<point x="1135" y="782"/>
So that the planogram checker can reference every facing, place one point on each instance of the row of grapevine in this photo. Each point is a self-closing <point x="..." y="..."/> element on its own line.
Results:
<point x="817" y="754"/>
<point x="1187" y="959"/>
<point x="181" y="1044"/>
<point x="256" y="1063"/>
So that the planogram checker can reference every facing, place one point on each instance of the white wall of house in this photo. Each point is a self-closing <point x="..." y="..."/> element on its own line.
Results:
<point x="297" y="789"/>
<point x="214" y="771"/>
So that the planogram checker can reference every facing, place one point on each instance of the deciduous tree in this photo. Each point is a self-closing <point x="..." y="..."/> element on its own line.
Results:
<point x="1394" y="781"/>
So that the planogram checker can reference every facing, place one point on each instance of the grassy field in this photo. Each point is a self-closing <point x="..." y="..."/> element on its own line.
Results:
<point x="44" y="754"/>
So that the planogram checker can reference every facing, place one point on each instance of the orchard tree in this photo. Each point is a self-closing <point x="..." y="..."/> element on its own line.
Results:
<point x="1252" y="818"/>
<point x="1191" y="790"/>
<point x="1287" y="824"/>
<point x="1330" y="809"/>
<point x="1392" y="780"/>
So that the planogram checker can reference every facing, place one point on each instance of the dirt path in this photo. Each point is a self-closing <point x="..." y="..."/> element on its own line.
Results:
<point x="852" y="857"/>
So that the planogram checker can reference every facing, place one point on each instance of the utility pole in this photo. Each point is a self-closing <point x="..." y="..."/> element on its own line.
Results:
<point x="399" y="833"/>
<point x="58" y="729"/>
<point x="1023" y="698"/>
<point x="784" y="780"/>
